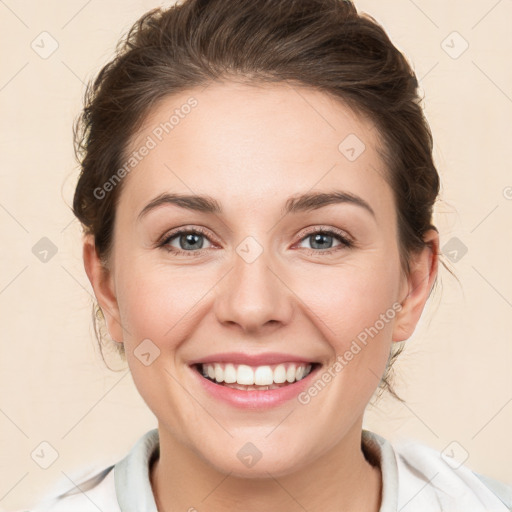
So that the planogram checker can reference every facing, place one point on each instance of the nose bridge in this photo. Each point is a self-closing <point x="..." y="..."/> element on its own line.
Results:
<point x="253" y="295"/>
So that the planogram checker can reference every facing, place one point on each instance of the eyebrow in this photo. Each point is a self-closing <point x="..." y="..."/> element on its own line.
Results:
<point x="295" y="204"/>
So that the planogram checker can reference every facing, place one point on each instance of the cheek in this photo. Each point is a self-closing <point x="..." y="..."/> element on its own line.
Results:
<point x="352" y="306"/>
<point x="349" y="300"/>
<point x="160" y="305"/>
<point x="157" y="303"/>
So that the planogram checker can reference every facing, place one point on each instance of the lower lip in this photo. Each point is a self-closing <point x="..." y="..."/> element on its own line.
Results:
<point x="254" y="399"/>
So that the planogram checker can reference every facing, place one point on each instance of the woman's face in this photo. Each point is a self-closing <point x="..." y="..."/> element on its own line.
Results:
<point x="255" y="286"/>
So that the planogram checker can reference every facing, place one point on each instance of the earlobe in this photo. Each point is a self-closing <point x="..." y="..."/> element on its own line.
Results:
<point x="102" y="284"/>
<point x="423" y="272"/>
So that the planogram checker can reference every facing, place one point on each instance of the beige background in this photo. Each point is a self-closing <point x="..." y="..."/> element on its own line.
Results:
<point x="456" y="371"/>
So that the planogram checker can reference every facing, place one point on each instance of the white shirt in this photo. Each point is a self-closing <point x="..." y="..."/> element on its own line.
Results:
<point x="415" y="478"/>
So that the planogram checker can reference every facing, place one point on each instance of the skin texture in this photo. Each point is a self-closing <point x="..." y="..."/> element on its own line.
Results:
<point x="251" y="148"/>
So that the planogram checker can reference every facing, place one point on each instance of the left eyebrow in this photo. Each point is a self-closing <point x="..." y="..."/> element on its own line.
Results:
<point x="300" y="203"/>
<point x="315" y="200"/>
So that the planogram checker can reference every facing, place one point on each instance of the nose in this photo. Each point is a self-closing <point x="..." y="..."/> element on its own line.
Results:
<point x="254" y="296"/>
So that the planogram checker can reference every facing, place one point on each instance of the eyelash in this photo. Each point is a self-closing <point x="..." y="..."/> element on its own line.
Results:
<point x="346" y="242"/>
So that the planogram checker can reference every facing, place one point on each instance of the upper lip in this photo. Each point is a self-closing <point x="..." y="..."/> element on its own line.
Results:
<point x="267" y="358"/>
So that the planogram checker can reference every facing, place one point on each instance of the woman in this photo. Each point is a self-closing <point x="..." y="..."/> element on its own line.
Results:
<point x="256" y="193"/>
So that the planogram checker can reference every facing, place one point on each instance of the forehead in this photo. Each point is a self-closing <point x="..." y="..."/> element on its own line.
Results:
<point x="250" y="144"/>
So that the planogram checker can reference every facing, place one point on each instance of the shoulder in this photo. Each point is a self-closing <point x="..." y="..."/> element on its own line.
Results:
<point x="120" y="486"/>
<point x="81" y="492"/>
<point x="500" y="489"/>
<point x="427" y="475"/>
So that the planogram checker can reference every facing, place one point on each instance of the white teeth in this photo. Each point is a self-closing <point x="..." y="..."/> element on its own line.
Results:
<point x="245" y="375"/>
<point x="261" y="377"/>
<point x="280" y="374"/>
<point x="219" y="374"/>
<point x="229" y="374"/>
<point x="290" y="374"/>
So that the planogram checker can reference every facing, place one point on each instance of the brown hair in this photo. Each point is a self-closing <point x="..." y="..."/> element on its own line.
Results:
<point x="323" y="44"/>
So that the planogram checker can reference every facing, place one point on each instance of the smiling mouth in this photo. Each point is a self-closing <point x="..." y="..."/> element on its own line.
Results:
<point x="259" y="378"/>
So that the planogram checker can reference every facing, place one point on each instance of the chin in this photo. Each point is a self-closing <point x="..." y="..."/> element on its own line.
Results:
<point x="260" y="470"/>
<point x="258" y="459"/>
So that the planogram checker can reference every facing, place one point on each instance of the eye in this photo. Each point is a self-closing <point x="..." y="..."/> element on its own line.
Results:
<point x="190" y="241"/>
<point x="187" y="240"/>
<point x="322" y="240"/>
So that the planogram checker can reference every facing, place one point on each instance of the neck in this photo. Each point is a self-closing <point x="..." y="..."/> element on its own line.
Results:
<point x="339" y="480"/>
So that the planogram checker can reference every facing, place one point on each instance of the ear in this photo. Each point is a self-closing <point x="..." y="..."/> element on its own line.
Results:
<point x="103" y="286"/>
<point x="419" y="283"/>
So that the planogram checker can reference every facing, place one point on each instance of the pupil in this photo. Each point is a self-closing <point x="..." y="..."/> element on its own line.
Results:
<point x="319" y="237"/>
<point x="192" y="239"/>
